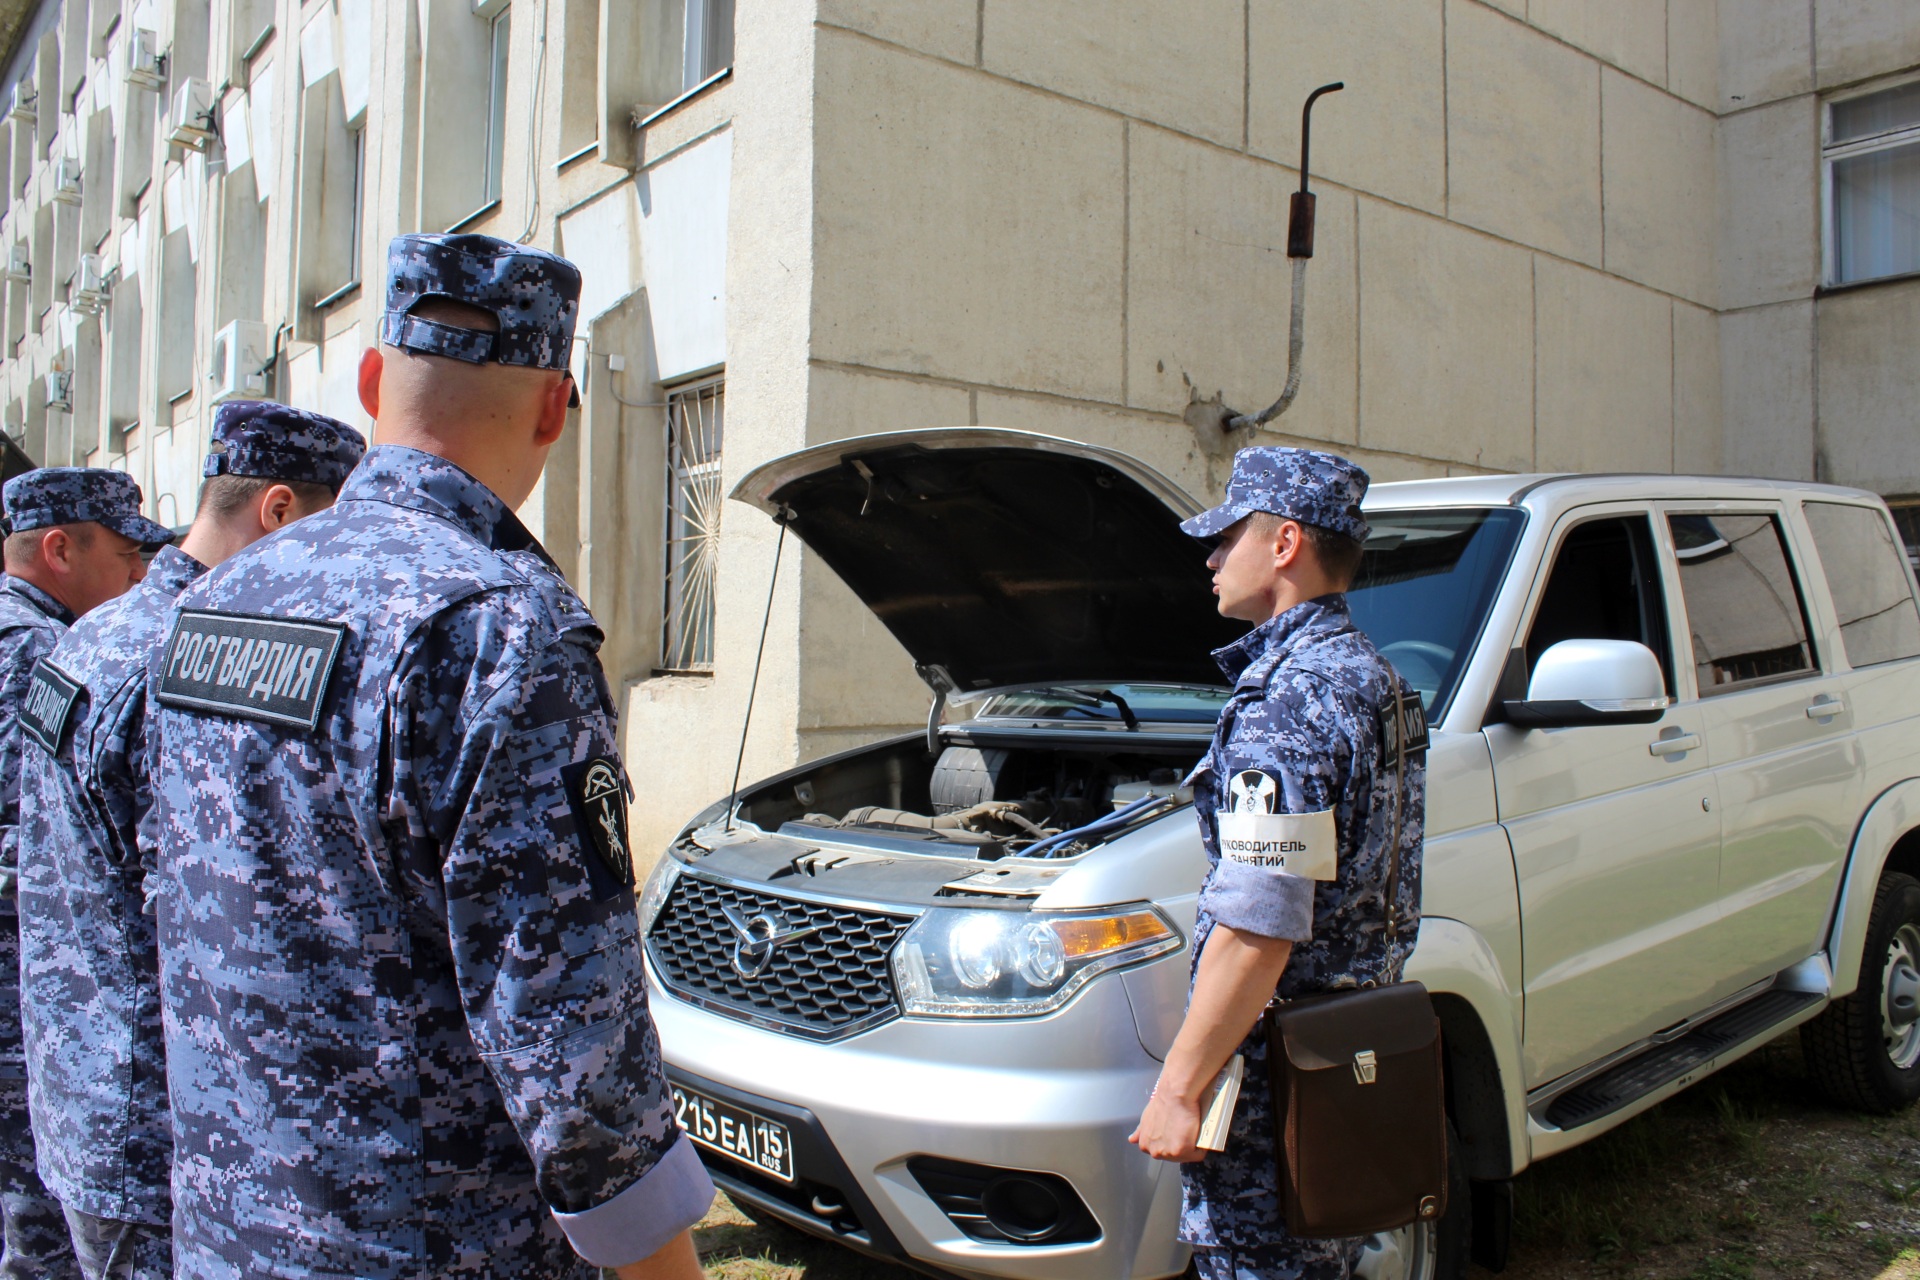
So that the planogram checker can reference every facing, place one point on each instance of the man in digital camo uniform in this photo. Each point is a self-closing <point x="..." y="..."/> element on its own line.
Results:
<point x="91" y="1000"/>
<point x="75" y="541"/>
<point x="1303" y="754"/>
<point x="407" y="1029"/>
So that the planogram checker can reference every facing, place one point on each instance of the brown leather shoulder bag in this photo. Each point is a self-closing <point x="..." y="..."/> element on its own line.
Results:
<point x="1359" y="1106"/>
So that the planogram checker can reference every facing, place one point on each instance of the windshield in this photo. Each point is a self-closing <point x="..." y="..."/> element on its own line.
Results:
<point x="1424" y="587"/>
<point x="1165" y="703"/>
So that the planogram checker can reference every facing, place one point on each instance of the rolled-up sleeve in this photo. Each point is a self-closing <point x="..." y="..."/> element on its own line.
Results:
<point x="541" y="920"/>
<point x="1282" y="757"/>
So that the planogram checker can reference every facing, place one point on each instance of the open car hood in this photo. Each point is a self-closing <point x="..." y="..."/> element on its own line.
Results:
<point x="1004" y="558"/>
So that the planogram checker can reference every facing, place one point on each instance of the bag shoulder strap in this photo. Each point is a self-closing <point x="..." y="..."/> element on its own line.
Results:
<point x="1399" y="790"/>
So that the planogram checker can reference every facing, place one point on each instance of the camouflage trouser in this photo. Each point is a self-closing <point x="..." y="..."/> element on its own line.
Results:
<point x="34" y="1230"/>
<point x="113" y="1250"/>
<point x="1279" y="1262"/>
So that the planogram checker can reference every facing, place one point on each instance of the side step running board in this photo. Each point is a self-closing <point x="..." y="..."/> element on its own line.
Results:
<point x="1661" y="1065"/>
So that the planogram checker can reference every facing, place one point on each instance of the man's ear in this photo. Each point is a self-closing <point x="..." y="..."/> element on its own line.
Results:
<point x="1288" y="537"/>
<point x="278" y="508"/>
<point x="371" y="362"/>
<point x="56" y="550"/>
<point x="553" y="411"/>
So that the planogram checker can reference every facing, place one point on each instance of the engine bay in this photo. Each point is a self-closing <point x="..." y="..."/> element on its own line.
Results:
<point x="978" y="800"/>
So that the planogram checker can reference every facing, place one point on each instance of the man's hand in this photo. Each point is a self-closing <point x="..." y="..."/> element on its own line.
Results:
<point x="1168" y="1128"/>
<point x="674" y="1260"/>
<point x="1237" y="974"/>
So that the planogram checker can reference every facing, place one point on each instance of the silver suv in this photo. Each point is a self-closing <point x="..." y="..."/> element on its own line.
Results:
<point x="914" y="995"/>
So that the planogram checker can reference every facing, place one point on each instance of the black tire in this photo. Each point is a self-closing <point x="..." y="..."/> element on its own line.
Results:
<point x="1454" y="1245"/>
<point x="1850" y="1053"/>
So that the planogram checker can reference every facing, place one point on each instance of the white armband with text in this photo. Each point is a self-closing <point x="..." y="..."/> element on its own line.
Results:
<point x="1294" y="844"/>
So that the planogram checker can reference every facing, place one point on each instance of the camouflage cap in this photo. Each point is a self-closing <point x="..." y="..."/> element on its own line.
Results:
<point x="534" y="294"/>
<point x="277" y="442"/>
<point x="1307" y="485"/>
<point x="81" y="495"/>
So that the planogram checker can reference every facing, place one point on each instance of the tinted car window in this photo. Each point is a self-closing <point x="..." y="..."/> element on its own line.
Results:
<point x="1879" y="621"/>
<point x="1605" y="585"/>
<point x="1424" y="587"/>
<point x="1744" y="610"/>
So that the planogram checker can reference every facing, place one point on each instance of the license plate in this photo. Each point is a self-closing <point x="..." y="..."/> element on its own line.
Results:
<point x="755" y="1141"/>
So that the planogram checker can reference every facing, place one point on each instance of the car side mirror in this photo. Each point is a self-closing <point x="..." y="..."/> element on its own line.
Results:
<point x="1579" y="682"/>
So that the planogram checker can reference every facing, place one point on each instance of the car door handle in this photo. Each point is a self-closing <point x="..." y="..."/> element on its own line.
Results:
<point x="1825" y="709"/>
<point x="1674" y="746"/>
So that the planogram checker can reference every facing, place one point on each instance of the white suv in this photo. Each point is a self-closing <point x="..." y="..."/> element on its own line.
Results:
<point x="913" y="996"/>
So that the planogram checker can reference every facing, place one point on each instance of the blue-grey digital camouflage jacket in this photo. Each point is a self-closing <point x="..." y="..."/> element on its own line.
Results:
<point x="90" y="1010"/>
<point x="1306" y="729"/>
<point x="31" y="623"/>
<point x="407" y="1031"/>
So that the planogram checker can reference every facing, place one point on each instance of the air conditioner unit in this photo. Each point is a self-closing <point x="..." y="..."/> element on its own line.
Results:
<point x="60" y="390"/>
<point x="91" y="285"/>
<point x="144" y="66"/>
<point x="190" y="124"/>
<point x="66" y="181"/>
<point x="20" y="264"/>
<point x="241" y="352"/>
<point x="23" y="108"/>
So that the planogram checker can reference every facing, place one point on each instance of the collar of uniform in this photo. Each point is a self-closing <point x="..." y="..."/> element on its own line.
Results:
<point x="1249" y="660"/>
<point x="40" y="600"/>
<point x="404" y="477"/>
<point x="172" y="571"/>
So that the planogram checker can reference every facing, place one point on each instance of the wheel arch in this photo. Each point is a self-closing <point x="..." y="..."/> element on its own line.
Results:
<point x="1480" y="1029"/>
<point x="1887" y="839"/>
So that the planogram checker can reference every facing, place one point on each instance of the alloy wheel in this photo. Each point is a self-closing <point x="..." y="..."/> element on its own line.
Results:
<point x="1406" y="1254"/>
<point x="1900" y="997"/>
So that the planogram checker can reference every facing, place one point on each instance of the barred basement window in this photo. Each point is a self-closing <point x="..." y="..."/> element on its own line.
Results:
<point x="695" y="420"/>
<point x="1872" y="161"/>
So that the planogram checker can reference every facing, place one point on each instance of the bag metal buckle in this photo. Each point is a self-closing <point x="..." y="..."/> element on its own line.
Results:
<point x="1365" y="1066"/>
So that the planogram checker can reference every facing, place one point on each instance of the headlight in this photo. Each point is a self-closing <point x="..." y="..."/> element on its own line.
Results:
<point x="987" y="964"/>
<point x="660" y="882"/>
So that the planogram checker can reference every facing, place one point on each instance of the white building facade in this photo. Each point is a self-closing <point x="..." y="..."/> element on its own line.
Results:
<point x="1554" y="234"/>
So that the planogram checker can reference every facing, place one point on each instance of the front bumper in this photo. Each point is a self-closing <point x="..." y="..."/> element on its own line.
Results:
<point x="1057" y="1095"/>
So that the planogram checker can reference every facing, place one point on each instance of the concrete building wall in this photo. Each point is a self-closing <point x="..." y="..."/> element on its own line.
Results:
<point x="1581" y="234"/>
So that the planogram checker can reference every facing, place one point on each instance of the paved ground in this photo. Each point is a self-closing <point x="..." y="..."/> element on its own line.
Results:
<point x="1744" y="1177"/>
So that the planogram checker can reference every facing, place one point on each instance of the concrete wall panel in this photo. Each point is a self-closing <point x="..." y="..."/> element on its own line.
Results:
<point x="1446" y="345"/>
<point x="965" y="227"/>
<point x="1765" y="51"/>
<point x="1631" y="34"/>
<point x="1605" y="372"/>
<point x="1163" y="443"/>
<point x="1766" y="368"/>
<point x="1180" y="63"/>
<point x="1869" y="397"/>
<point x="1209" y="287"/>
<point x="845" y="403"/>
<point x="1696" y="390"/>
<point x="1854" y="39"/>
<point x="1386" y="134"/>
<point x="1770" y="207"/>
<point x="1693" y="51"/>
<point x="945" y="28"/>
<point x="1661" y="189"/>
<point x="1523" y="122"/>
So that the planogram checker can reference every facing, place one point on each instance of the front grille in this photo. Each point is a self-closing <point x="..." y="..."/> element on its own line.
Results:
<point x="828" y="984"/>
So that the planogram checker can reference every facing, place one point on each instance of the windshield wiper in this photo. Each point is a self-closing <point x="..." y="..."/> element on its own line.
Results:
<point x="1095" y="698"/>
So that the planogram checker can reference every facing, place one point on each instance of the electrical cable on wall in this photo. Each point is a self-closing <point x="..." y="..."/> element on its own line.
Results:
<point x="533" y="144"/>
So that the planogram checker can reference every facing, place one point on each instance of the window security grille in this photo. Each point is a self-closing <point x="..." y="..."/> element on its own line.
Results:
<point x="695" y="423"/>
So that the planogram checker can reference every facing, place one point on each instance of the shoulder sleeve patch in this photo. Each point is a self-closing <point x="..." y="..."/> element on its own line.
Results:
<point x="1414" y="720"/>
<point x="51" y="695"/>
<point x="267" y="669"/>
<point x="597" y="791"/>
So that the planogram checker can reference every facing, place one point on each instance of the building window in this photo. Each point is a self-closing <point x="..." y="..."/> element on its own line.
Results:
<point x="709" y="43"/>
<point x="497" y="106"/>
<point x="695" y="421"/>
<point x="1906" y="518"/>
<point x="1872" y="162"/>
